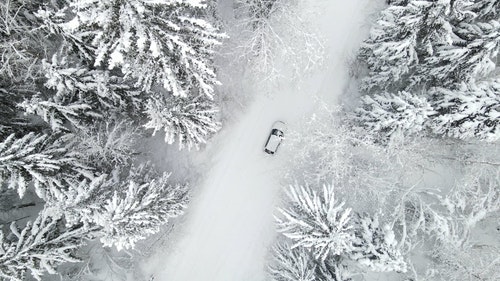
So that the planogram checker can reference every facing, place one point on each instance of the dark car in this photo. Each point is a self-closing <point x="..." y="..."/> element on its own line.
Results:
<point x="274" y="140"/>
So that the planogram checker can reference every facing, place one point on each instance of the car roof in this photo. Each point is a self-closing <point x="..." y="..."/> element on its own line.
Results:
<point x="273" y="142"/>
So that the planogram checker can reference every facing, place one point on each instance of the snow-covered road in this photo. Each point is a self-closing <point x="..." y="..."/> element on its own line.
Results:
<point x="229" y="226"/>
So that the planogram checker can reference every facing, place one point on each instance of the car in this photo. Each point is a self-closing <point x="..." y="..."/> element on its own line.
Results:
<point x="275" y="137"/>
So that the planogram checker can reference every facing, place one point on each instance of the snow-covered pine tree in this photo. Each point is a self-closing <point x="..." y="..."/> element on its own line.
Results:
<point x="165" y="43"/>
<point x="38" y="247"/>
<point x="73" y="97"/>
<point x="317" y="221"/>
<point x="486" y="10"/>
<point x="292" y="264"/>
<point x="329" y="234"/>
<point x="471" y="111"/>
<point x="375" y="246"/>
<point x="333" y="270"/>
<point x="471" y="56"/>
<point x="389" y="113"/>
<point x="120" y="209"/>
<point x="10" y="120"/>
<point x="100" y="89"/>
<point x="24" y="45"/>
<point x="21" y="42"/>
<point x="436" y="43"/>
<point x="397" y="2"/>
<point x="139" y="209"/>
<point x="53" y="18"/>
<point x="390" y="51"/>
<point x="41" y="159"/>
<point x="435" y="28"/>
<point x="189" y="122"/>
<point x="78" y="201"/>
<point x="60" y="117"/>
<point x="403" y="34"/>
<point x="108" y="144"/>
<point x="299" y="264"/>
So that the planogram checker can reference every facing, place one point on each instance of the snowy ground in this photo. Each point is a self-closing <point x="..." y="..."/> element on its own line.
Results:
<point x="229" y="226"/>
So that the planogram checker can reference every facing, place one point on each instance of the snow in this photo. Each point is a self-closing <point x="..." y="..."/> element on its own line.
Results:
<point x="154" y="48"/>
<point x="229" y="226"/>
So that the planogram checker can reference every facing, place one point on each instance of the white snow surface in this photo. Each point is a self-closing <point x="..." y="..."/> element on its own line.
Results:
<point x="229" y="226"/>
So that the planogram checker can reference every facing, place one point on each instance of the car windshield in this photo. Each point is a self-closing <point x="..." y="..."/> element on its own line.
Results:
<point x="277" y="132"/>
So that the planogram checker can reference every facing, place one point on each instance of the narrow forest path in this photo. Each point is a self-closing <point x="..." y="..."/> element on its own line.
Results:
<point x="229" y="226"/>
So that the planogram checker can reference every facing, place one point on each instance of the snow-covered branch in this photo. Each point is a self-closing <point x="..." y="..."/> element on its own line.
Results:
<point x="38" y="247"/>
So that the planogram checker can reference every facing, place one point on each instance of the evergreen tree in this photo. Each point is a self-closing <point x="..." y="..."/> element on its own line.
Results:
<point x="139" y="210"/>
<point x="40" y="159"/>
<point x="299" y="264"/>
<point x="402" y="37"/>
<point x="100" y="89"/>
<point x="470" y="57"/>
<point x="388" y="113"/>
<point x="323" y="235"/>
<point x="188" y="121"/>
<point x="121" y="209"/>
<point x="292" y="264"/>
<point x="332" y="270"/>
<point x="158" y="43"/>
<point x="472" y="111"/>
<point x="431" y="43"/>
<point x="60" y="117"/>
<point x="53" y="20"/>
<point x="456" y="42"/>
<point x="39" y="247"/>
<point x="317" y="221"/>
<point x="109" y="144"/>
<point x="486" y="9"/>
<point x="10" y="120"/>
<point x="78" y="201"/>
<point x="21" y="42"/>
<point x="375" y="246"/>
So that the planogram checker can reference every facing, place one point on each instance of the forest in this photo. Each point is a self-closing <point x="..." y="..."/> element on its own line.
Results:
<point x="405" y="180"/>
<point x="400" y="179"/>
